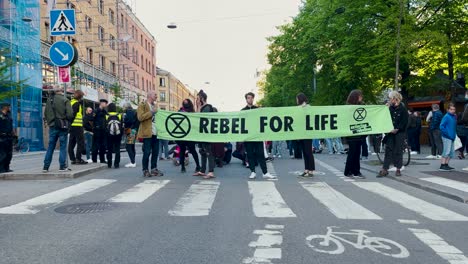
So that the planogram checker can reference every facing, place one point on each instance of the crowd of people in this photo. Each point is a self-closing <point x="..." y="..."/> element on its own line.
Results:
<point x="97" y="134"/>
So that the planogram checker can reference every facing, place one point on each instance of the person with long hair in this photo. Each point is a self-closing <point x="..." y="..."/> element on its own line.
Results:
<point x="306" y="144"/>
<point x="187" y="106"/>
<point x="353" y="166"/>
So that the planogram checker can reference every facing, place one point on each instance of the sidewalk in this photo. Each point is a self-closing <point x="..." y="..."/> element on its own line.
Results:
<point x="424" y="173"/>
<point x="29" y="167"/>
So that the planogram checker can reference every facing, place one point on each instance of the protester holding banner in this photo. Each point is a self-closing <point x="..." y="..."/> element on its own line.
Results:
<point x="353" y="166"/>
<point x="395" y="139"/>
<point x="187" y="106"/>
<point x="255" y="150"/>
<point x="306" y="144"/>
<point x="205" y="147"/>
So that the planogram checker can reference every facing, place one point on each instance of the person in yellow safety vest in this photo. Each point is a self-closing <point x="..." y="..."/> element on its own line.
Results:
<point x="114" y="123"/>
<point x="76" y="130"/>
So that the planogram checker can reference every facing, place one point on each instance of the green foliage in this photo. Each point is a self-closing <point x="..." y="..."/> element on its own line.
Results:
<point x="8" y="88"/>
<point x="356" y="49"/>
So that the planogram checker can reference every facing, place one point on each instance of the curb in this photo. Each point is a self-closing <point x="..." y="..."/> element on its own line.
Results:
<point x="414" y="182"/>
<point x="51" y="176"/>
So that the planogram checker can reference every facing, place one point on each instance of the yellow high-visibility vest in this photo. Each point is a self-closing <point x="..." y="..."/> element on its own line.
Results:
<point x="78" y="121"/>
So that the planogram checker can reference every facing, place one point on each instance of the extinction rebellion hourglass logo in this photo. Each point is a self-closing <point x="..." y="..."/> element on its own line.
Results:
<point x="178" y="125"/>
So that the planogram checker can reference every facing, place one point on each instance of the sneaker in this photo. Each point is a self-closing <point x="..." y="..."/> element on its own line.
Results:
<point x="292" y="156"/>
<point x="349" y="176"/>
<point x="73" y="162"/>
<point x="81" y="162"/>
<point x="382" y="173"/>
<point x="210" y="175"/>
<point x="465" y="169"/>
<point x="450" y="168"/>
<point x="130" y="165"/>
<point x="146" y="173"/>
<point x="279" y="156"/>
<point x="269" y="159"/>
<point x="364" y="158"/>
<point x="247" y="165"/>
<point x="90" y="161"/>
<point x="253" y="175"/>
<point x="45" y="170"/>
<point x="444" y="167"/>
<point x="398" y="173"/>
<point x="157" y="173"/>
<point x="414" y="153"/>
<point x="64" y="169"/>
<point x="431" y="157"/>
<point x="274" y="156"/>
<point x="268" y="176"/>
<point x="359" y="176"/>
<point x="438" y="157"/>
<point x="183" y="170"/>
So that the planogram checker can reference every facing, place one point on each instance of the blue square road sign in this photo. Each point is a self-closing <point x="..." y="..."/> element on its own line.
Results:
<point x="62" y="22"/>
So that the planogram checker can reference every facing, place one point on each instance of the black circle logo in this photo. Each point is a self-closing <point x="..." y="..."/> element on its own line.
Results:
<point x="178" y="125"/>
<point x="360" y="114"/>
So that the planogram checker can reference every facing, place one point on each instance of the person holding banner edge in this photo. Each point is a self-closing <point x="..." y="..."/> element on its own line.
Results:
<point x="187" y="106"/>
<point x="306" y="144"/>
<point x="353" y="167"/>
<point x="255" y="150"/>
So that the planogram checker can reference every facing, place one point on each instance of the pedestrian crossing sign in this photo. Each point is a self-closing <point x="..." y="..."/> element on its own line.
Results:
<point x="62" y="22"/>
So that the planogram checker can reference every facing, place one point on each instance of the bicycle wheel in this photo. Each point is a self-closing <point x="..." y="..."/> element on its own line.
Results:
<point x="318" y="243"/>
<point x="386" y="247"/>
<point x="406" y="155"/>
<point x="24" y="147"/>
<point x="379" y="148"/>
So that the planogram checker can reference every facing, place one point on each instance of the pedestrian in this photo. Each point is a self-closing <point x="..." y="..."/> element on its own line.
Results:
<point x="76" y="130"/>
<point x="205" y="147"/>
<point x="413" y="136"/>
<point x="435" y="138"/>
<point x="146" y="114"/>
<point x="163" y="147"/>
<point x="218" y="152"/>
<point x="290" y="145"/>
<point x="88" y="121"/>
<point x="448" y="128"/>
<point x="58" y="115"/>
<point x="187" y="107"/>
<point x="306" y="144"/>
<point x="335" y="146"/>
<point x="7" y="133"/>
<point x="131" y="125"/>
<point x="395" y="139"/>
<point x="114" y="124"/>
<point x="277" y="147"/>
<point x="255" y="150"/>
<point x="353" y="166"/>
<point x="99" y="133"/>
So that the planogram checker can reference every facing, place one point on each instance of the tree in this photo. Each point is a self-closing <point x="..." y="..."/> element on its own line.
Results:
<point x="8" y="86"/>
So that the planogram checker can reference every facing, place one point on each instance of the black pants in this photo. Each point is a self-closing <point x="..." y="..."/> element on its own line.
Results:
<point x="240" y="155"/>
<point x="6" y="153"/>
<point x="256" y="153"/>
<point x="353" y="165"/>
<point x="364" y="148"/>
<point x="435" y="138"/>
<point x="113" y="146"/>
<point x="227" y="156"/>
<point x="306" y="147"/>
<point x="150" y="147"/>
<point x="76" y="139"/>
<point x="297" y="149"/>
<point x="206" y="156"/>
<point x="99" y="145"/>
<point x="394" y="151"/>
<point x="131" y="152"/>
<point x="190" y="146"/>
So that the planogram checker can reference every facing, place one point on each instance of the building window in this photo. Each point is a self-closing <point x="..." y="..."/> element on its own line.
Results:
<point x="101" y="33"/>
<point x="162" y="96"/>
<point x="121" y="20"/>
<point x="101" y="6"/>
<point x="141" y="39"/>
<point x="136" y="57"/>
<point x="126" y="50"/>
<point x="70" y="6"/>
<point x="142" y="83"/>
<point x="126" y="25"/>
<point x="88" y="23"/>
<point x="111" y="16"/>
<point x="112" y="68"/>
<point x="102" y="62"/>
<point x="112" y="42"/>
<point x="142" y="66"/>
<point x="133" y="31"/>
<point x="47" y="29"/>
<point x="162" y="82"/>
<point x="152" y="51"/>
<point x="89" y="53"/>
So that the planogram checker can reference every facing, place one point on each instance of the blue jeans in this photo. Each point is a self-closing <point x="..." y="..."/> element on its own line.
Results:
<point x="163" y="147"/>
<point x="334" y="141"/>
<point x="150" y="147"/>
<point x="54" y="136"/>
<point x="277" y="147"/>
<point x="316" y="144"/>
<point x="89" y="144"/>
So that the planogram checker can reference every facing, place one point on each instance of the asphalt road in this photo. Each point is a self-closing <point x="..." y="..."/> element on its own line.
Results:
<point x="179" y="218"/>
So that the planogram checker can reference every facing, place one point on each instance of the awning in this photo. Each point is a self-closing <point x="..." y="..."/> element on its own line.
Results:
<point x="423" y="104"/>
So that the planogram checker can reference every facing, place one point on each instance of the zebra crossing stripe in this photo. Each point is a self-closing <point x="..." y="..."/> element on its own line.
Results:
<point x="412" y="203"/>
<point x="267" y="201"/>
<point x="139" y="192"/>
<point x="461" y="186"/>
<point x="197" y="200"/>
<point x="338" y="204"/>
<point x="33" y="206"/>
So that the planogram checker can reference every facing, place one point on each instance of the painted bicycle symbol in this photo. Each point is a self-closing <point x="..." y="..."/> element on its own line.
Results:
<point x="332" y="243"/>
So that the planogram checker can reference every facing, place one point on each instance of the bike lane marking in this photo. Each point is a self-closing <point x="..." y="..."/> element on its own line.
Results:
<point x="197" y="200"/>
<point x="337" y="203"/>
<point x="446" y="251"/>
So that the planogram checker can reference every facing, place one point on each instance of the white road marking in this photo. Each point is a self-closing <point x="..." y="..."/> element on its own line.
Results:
<point x="338" y="204"/>
<point x="267" y="246"/>
<point x="409" y="222"/>
<point x="271" y="169"/>
<point x="197" y="200"/>
<point x="328" y="167"/>
<point x="34" y="205"/>
<point x="267" y="241"/>
<point x="139" y="192"/>
<point x="461" y="186"/>
<point x="275" y="227"/>
<point x="267" y="201"/>
<point x="448" y="252"/>
<point x="412" y="203"/>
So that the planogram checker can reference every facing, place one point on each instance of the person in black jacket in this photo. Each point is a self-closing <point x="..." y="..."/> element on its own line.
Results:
<point x="131" y="125"/>
<point x="88" y="121"/>
<point x="99" y="133"/>
<point x="396" y="137"/>
<point x="353" y="166"/>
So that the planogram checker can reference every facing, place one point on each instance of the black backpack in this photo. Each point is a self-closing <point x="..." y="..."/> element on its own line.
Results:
<point x="114" y="125"/>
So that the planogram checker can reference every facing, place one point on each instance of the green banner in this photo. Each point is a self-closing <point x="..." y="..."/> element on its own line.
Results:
<point x="279" y="123"/>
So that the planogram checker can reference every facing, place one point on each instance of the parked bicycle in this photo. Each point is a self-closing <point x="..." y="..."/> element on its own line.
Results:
<point x="332" y="243"/>
<point x="20" y="145"/>
<point x="379" y="149"/>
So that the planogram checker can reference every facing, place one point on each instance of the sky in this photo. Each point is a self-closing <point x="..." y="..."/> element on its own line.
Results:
<point x="217" y="41"/>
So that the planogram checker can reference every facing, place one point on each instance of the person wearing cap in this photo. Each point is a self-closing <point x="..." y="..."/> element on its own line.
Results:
<point x="6" y="137"/>
<point x="99" y="133"/>
<point x="76" y="130"/>
<point x="58" y="113"/>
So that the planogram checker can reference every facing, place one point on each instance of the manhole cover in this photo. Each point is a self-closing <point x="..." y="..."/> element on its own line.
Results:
<point x="85" y="208"/>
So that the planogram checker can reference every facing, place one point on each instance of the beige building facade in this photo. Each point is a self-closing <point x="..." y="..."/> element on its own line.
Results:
<point x="171" y="91"/>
